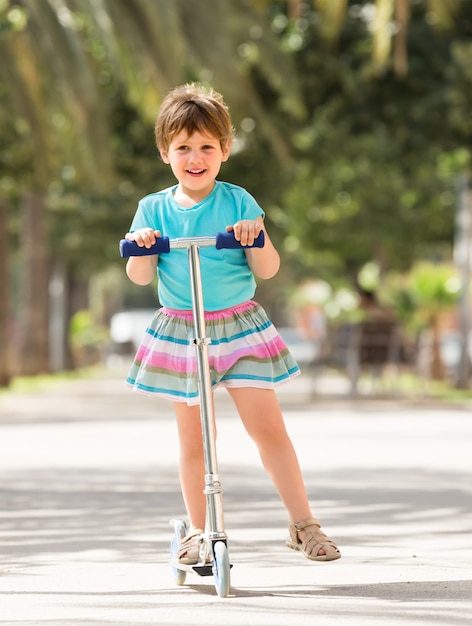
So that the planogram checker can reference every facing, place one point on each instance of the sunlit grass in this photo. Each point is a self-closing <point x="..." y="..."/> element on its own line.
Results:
<point x="43" y="382"/>
<point x="448" y="391"/>
<point x="410" y="386"/>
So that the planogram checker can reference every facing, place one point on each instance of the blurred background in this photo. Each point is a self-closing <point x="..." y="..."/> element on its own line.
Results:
<point x="354" y="133"/>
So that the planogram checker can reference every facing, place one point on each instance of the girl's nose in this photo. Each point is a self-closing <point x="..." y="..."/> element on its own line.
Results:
<point x="195" y="156"/>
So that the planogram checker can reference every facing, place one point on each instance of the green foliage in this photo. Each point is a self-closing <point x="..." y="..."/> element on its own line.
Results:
<point x="84" y="331"/>
<point x="373" y="177"/>
<point x="87" y="339"/>
<point x="420" y="295"/>
<point x="351" y="167"/>
<point x="13" y="18"/>
<point x="100" y="71"/>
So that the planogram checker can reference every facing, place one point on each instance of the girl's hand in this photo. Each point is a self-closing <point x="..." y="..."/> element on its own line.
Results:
<point x="144" y="237"/>
<point x="142" y="269"/>
<point x="246" y="231"/>
<point x="264" y="262"/>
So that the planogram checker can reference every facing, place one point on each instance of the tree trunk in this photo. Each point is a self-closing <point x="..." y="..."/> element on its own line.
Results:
<point x="438" y="371"/>
<point x="5" y="371"/>
<point x="59" y="318"/>
<point x="400" y="42"/>
<point x="34" y="296"/>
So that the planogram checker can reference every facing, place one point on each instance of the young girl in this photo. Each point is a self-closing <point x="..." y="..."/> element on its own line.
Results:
<point x="247" y="356"/>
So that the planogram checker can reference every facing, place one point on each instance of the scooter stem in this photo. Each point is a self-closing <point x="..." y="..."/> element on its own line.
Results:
<point x="213" y="489"/>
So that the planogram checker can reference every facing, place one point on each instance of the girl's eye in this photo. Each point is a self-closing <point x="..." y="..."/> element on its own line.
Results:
<point x="205" y="148"/>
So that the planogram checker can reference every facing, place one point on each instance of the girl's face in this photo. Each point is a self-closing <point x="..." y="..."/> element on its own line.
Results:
<point x="195" y="161"/>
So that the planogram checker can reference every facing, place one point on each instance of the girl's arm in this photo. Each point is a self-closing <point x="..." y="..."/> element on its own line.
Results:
<point x="264" y="262"/>
<point x="142" y="269"/>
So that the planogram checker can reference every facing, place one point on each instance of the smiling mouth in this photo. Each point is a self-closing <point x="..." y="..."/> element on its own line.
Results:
<point x="195" y="171"/>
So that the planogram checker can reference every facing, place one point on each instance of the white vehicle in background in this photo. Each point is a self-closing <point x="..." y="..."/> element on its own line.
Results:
<point x="127" y="329"/>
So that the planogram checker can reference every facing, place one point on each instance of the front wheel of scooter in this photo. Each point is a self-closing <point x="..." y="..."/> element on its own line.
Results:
<point x="180" y="530"/>
<point x="221" y="568"/>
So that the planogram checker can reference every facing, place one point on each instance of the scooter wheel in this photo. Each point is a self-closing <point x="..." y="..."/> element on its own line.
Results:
<point x="221" y="568"/>
<point x="180" y="530"/>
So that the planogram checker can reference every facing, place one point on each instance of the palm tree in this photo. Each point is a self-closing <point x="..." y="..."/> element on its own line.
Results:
<point x="420" y="300"/>
<point x="155" y="45"/>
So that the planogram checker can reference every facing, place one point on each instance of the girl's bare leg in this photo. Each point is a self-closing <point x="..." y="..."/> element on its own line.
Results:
<point x="191" y="462"/>
<point x="261" y="415"/>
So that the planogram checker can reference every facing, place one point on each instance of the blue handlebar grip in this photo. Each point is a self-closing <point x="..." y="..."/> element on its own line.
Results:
<point x="131" y="248"/>
<point x="227" y="240"/>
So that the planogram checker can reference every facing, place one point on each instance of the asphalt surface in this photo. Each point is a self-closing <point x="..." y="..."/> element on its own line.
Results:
<point x="88" y="484"/>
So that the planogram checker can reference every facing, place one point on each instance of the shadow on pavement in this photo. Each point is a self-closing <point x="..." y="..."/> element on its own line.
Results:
<point x="126" y="513"/>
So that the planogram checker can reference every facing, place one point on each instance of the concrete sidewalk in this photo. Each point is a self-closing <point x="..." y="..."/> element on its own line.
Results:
<point x="88" y="484"/>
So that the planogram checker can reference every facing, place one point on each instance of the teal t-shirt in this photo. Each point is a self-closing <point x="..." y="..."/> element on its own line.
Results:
<point x="226" y="277"/>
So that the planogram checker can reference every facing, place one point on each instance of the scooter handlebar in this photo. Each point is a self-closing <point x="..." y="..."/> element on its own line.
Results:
<point x="131" y="248"/>
<point x="163" y="245"/>
<point x="227" y="240"/>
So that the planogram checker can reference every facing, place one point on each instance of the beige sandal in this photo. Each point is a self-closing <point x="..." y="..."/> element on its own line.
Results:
<point x="313" y="541"/>
<point x="189" y="551"/>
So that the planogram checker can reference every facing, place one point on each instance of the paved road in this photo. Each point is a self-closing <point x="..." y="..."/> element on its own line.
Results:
<point x="88" y="484"/>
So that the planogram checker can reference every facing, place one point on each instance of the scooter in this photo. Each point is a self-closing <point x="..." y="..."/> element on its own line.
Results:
<point x="213" y="553"/>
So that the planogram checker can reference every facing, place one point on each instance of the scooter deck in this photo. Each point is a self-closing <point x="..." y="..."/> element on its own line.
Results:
<point x="201" y="570"/>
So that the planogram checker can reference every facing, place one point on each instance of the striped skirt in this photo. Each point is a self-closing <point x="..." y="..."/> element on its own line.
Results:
<point x="245" y="351"/>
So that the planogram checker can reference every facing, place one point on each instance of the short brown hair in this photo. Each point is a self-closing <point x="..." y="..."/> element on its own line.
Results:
<point x="193" y="107"/>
